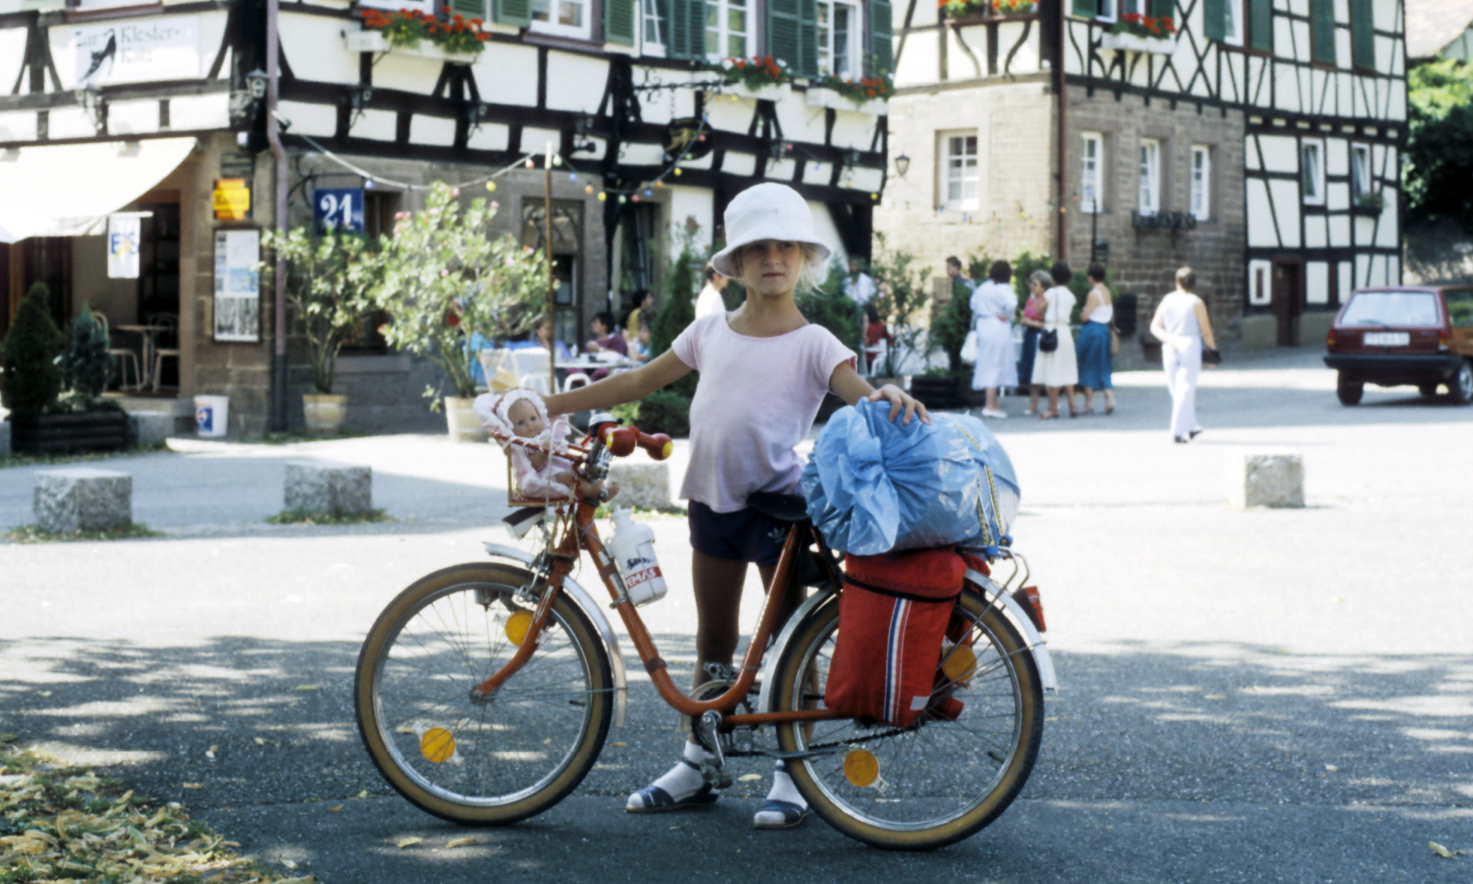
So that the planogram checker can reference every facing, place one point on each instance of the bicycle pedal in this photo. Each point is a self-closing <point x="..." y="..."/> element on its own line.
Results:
<point x="716" y="776"/>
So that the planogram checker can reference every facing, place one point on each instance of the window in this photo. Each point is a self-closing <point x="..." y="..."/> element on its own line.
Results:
<point x="653" y="25"/>
<point x="959" y="170"/>
<point x="1322" y="31"/>
<point x="838" y="39"/>
<point x="1100" y="9"/>
<point x="1362" y="35"/>
<point x="1149" y="195"/>
<point x="1223" y="20"/>
<point x="726" y="29"/>
<point x="1200" y="199"/>
<point x="1312" y="172"/>
<point x="1360" y="171"/>
<point x="567" y="18"/>
<point x="1091" y="179"/>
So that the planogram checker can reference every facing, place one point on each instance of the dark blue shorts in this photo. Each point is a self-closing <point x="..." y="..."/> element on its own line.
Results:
<point x="745" y="535"/>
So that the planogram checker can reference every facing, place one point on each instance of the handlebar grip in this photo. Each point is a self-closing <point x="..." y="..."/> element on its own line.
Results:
<point x="659" y="445"/>
<point x="623" y="440"/>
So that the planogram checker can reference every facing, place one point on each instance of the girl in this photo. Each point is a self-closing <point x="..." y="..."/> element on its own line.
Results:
<point x="764" y="372"/>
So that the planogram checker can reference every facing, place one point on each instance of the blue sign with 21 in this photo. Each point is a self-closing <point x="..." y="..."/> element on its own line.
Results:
<point x="338" y="208"/>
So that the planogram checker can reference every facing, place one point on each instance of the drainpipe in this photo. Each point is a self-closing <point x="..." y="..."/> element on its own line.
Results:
<point x="1062" y="252"/>
<point x="273" y="137"/>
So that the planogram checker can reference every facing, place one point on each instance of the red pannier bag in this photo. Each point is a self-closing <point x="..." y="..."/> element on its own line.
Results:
<point x="893" y="612"/>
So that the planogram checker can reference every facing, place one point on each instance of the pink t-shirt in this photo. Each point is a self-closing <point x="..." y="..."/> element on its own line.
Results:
<point x="756" y="400"/>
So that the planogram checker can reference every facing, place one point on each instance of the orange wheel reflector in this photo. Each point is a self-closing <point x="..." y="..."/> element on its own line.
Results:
<point x="437" y="745"/>
<point x="517" y="626"/>
<point x="960" y="664"/>
<point x="861" y="767"/>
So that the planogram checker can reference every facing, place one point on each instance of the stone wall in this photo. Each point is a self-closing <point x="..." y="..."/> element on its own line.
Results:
<point x="1145" y="261"/>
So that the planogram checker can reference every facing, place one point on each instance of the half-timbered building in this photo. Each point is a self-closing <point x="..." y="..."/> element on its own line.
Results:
<point x="191" y="125"/>
<point x="1255" y="140"/>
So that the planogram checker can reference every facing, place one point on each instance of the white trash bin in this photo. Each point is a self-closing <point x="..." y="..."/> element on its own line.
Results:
<point x="211" y="415"/>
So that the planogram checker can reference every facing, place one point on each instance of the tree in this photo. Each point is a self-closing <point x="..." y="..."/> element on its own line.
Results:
<point x="1439" y="152"/>
<point x="902" y="294"/>
<point x="32" y="379"/>
<point x="328" y="281"/>
<point x="443" y="276"/>
<point x="86" y="367"/>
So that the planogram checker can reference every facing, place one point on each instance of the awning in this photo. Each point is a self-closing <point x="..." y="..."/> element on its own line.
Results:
<point x="69" y="189"/>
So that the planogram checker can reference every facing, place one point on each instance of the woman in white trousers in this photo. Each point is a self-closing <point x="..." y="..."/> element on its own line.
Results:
<point x="1181" y="324"/>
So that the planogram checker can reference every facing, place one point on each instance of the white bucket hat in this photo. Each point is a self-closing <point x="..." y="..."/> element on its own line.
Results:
<point x="766" y="211"/>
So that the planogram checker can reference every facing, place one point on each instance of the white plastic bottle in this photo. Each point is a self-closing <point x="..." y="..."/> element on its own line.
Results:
<point x="633" y="549"/>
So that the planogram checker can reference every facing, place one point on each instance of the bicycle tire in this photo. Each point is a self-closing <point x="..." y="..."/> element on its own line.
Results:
<point x="507" y="759"/>
<point x="923" y="797"/>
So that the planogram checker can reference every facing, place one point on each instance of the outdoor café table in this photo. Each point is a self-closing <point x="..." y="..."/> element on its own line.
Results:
<point x="149" y="333"/>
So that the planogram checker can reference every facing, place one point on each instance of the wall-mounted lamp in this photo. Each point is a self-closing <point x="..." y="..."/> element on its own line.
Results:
<point x="359" y="96"/>
<point x="902" y="165"/>
<point x="95" y="106"/>
<point x="851" y="158"/>
<point x="582" y="129"/>
<point x="778" y="149"/>
<point x="256" y="82"/>
<point x="475" y="113"/>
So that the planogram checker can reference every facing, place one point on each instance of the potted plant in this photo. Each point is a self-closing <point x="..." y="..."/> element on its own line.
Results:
<point x="326" y="288"/>
<point x="444" y="276"/>
<point x="53" y="383"/>
<point x="454" y="38"/>
<point x="761" y="75"/>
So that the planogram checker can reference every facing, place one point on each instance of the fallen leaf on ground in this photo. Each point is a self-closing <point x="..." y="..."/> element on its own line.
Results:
<point x="306" y="687"/>
<point x="363" y="794"/>
<point x="191" y="785"/>
<point x="462" y="842"/>
<point x="335" y="809"/>
<point x="1440" y="850"/>
<point x="408" y="842"/>
<point x="260" y="742"/>
<point x="749" y="778"/>
<point x="618" y="745"/>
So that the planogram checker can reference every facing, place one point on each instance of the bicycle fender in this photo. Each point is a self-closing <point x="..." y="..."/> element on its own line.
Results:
<point x="588" y="606"/>
<point x="995" y="595"/>
<point x="767" y="700"/>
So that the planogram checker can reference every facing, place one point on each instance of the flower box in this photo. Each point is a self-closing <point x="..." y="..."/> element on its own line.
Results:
<point x="818" y="96"/>
<point x="1133" y="43"/>
<point x="374" y="41"/>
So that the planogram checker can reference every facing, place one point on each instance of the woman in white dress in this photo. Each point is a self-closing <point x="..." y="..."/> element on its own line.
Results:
<point x="1181" y="324"/>
<point x="1057" y="371"/>
<point x="993" y="305"/>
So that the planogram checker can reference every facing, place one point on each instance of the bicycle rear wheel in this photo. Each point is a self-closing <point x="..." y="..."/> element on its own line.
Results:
<point x="494" y="761"/>
<point x="939" y="780"/>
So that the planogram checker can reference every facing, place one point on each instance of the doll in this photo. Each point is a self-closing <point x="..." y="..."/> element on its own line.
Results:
<point x="519" y="420"/>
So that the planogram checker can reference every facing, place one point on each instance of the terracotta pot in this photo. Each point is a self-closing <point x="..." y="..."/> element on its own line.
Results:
<point x="324" y="412"/>
<point x="462" y="421"/>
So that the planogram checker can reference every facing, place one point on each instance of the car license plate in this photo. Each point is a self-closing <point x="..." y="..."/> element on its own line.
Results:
<point x="1387" y="339"/>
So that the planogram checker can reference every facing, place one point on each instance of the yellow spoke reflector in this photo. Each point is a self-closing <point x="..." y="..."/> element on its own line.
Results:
<point x="516" y="627"/>
<point x="960" y="664"/>
<point x="861" y="767"/>
<point x="437" y="745"/>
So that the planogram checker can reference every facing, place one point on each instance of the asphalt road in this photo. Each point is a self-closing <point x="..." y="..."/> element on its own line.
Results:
<point x="1267" y="695"/>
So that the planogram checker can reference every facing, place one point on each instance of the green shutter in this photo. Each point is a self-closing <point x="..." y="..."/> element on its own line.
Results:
<point x="1322" y="30"/>
<point x="1086" y="8"/>
<point x="469" y="8"/>
<point x="517" y="13"/>
<point x="695" y="27"/>
<point x="1261" y="24"/>
<point x="783" y="39"/>
<point x="881" y="38"/>
<point x="807" y="40"/>
<point x="619" y="21"/>
<point x="1215" y="19"/>
<point x="1163" y="9"/>
<point x="1362" y="34"/>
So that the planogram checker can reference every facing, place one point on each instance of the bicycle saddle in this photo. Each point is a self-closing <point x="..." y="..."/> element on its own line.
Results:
<point x="783" y="507"/>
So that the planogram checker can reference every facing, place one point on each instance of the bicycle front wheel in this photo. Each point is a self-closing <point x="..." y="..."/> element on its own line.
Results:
<point x="939" y="780"/>
<point x="490" y="761"/>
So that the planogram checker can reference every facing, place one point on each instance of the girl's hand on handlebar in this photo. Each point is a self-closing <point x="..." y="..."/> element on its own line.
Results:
<point x="899" y="399"/>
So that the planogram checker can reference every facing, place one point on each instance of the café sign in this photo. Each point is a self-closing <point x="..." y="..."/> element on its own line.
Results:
<point x="136" y="51"/>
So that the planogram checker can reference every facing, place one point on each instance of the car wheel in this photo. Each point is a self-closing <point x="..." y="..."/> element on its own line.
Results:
<point x="1428" y="390"/>
<point x="1349" y="391"/>
<point x="1460" y="388"/>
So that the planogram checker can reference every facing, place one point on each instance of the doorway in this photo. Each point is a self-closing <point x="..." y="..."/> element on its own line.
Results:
<point x="1288" y="299"/>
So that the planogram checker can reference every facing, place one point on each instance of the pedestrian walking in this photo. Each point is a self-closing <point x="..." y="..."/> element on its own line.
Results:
<point x="1092" y="350"/>
<point x="1056" y="369"/>
<point x="1181" y="324"/>
<point x="1032" y="321"/>
<point x="993" y="304"/>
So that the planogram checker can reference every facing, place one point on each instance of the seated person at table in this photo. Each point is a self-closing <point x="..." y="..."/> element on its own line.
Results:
<point x="541" y="339"/>
<point x="604" y="335"/>
<point x="641" y="350"/>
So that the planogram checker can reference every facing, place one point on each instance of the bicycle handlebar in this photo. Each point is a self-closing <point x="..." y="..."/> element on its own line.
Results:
<point x="623" y="440"/>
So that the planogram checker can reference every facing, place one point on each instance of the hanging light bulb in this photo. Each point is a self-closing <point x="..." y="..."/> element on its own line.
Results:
<point x="573" y="176"/>
<point x="658" y="183"/>
<point x="490" y="185"/>
<point x="677" y="172"/>
<point x="588" y="188"/>
<point x="648" y="192"/>
<point x="602" y="196"/>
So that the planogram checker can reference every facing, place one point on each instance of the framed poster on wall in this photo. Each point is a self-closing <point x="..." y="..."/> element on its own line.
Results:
<point x="237" y="285"/>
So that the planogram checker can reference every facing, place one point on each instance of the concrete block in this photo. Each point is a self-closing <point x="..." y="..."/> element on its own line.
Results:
<point x="319" y="486"/>
<point x="641" y="485"/>
<point x="82" y="499"/>
<point x="1273" y="480"/>
<point x="149" y="429"/>
<point x="4" y="438"/>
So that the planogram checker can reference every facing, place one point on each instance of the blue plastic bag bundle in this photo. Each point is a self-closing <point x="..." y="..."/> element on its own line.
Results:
<point x="875" y="487"/>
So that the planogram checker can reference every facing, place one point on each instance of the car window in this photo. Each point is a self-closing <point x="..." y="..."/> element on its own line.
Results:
<point x="1459" y="307"/>
<point x="1391" y="308"/>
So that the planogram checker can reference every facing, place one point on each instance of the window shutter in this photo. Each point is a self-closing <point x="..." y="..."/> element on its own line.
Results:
<point x="783" y="39"/>
<point x="807" y="40"/>
<point x="1261" y="24"/>
<point x="1086" y="8"/>
<point x="695" y="28"/>
<point x="619" y="19"/>
<point x="1214" y="19"/>
<point x="1322" y="30"/>
<point x="1362" y="34"/>
<point x="469" y="8"/>
<point x="517" y="13"/>
<point x="1163" y="9"/>
<point x="881" y="38"/>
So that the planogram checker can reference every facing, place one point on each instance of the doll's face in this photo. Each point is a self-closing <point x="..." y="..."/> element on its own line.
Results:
<point x="525" y="421"/>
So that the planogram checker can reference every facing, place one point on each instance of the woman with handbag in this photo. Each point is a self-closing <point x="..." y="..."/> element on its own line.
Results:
<point x="1092" y="350"/>
<point x="1182" y="326"/>
<point x="1055" y="367"/>
<point x="993" y="303"/>
<point x="1032" y="321"/>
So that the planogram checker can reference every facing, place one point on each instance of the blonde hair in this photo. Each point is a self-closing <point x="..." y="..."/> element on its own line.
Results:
<point x="812" y="274"/>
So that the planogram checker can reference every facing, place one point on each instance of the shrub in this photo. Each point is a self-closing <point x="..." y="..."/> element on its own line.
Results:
<point x="829" y="307"/>
<point x="902" y="294"/>
<point x="32" y="379"/>
<point x="86" y="368"/>
<point x="665" y="411"/>
<point x="950" y="324"/>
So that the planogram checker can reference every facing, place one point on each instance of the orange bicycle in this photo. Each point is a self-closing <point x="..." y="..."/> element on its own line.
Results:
<point x="484" y="691"/>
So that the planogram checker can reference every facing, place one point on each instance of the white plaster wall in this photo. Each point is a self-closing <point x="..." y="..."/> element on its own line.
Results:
<point x="575" y="82"/>
<point x="1285" y="195"/>
<point x="1260" y="216"/>
<point x="489" y="136"/>
<point x="1337" y="157"/>
<point x="1386" y="232"/>
<point x="1365" y="230"/>
<point x="684" y="203"/>
<point x="828" y="234"/>
<point x="853" y="130"/>
<point x="1316" y="235"/>
<point x="1344" y="278"/>
<point x="780" y="170"/>
<point x="739" y="164"/>
<point x="376" y="125"/>
<point x="1339" y="231"/>
<point x="507" y="74"/>
<point x="1280" y="153"/>
<point x="1337" y="196"/>
<point x="18" y="126"/>
<point x="536" y="140"/>
<point x="867" y="179"/>
<point x="313" y="46"/>
<point x="200" y="112"/>
<point x="133" y="117"/>
<point x="1316" y="282"/>
<point x="1362" y="271"/>
<point x="803" y="123"/>
<point x="1393" y="271"/>
<point x="432" y="130"/>
<point x="1286" y="84"/>
<point x="310" y="119"/>
<point x="70" y="122"/>
<point x="631" y="154"/>
<point x="12" y="53"/>
<point x="408" y="73"/>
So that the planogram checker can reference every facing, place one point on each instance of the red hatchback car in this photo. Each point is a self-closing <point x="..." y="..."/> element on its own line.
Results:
<point x="1416" y="335"/>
